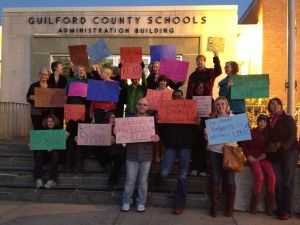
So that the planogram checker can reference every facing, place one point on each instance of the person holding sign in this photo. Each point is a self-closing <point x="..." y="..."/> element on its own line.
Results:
<point x="138" y="162"/>
<point x="221" y="109"/>
<point x="38" y="114"/>
<point x="283" y="143"/>
<point x="254" y="151"/>
<point x="206" y="75"/>
<point x="49" y="122"/>
<point x="237" y="106"/>
<point x="178" y="140"/>
<point x="99" y="108"/>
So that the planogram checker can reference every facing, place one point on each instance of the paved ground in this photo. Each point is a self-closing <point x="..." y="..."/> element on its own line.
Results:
<point x="26" y="213"/>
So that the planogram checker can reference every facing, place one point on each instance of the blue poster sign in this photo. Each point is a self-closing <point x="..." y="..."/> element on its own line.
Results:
<point x="106" y="91"/>
<point x="98" y="51"/>
<point x="162" y="51"/>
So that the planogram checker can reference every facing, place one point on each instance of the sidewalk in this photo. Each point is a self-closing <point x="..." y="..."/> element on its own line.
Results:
<point x="27" y="213"/>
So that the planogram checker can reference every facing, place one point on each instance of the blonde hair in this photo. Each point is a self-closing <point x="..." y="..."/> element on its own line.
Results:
<point x="78" y="67"/>
<point x="108" y="71"/>
<point x="215" y="113"/>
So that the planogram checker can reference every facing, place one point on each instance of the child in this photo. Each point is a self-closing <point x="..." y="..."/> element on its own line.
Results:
<point x="259" y="165"/>
<point x="49" y="122"/>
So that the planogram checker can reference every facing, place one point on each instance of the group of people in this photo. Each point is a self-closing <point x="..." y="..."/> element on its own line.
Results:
<point x="182" y="141"/>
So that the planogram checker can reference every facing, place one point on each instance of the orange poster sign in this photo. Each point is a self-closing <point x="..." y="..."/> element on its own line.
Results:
<point x="49" y="97"/>
<point x="74" y="112"/>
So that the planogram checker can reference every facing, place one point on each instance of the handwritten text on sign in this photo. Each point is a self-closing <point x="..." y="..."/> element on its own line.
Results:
<point x="173" y="69"/>
<point x="107" y="91"/>
<point x="250" y="86"/>
<point x="131" y="71"/>
<point x="203" y="105"/>
<point x="48" y="139"/>
<point x="74" y="112"/>
<point x="228" y="129"/>
<point x="153" y="96"/>
<point x="49" y="97"/>
<point x="177" y="111"/>
<point x="98" y="51"/>
<point x="134" y="129"/>
<point x="78" y="89"/>
<point x="94" y="134"/>
<point x="131" y="55"/>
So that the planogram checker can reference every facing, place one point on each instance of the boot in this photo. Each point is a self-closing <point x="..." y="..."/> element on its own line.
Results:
<point x="230" y="202"/>
<point x="254" y="203"/>
<point x="269" y="203"/>
<point x="214" y="198"/>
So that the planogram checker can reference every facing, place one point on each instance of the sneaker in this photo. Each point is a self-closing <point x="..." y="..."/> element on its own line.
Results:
<point x="140" y="208"/>
<point x="178" y="210"/>
<point x="38" y="183"/>
<point x="202" y="174"/>
<point x="194" y="173"/>
<point x="284" y="216"/>
<point x="125" y="207"/>
<point x="50" y="184"/>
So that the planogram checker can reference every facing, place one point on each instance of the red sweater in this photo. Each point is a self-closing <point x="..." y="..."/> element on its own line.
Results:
<point x="257" y="145"/>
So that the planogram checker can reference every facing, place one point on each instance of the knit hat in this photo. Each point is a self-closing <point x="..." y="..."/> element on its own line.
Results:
<point x="263" y="117"/>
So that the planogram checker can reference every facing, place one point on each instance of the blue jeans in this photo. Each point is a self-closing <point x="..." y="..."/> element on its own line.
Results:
<point x="285" y="169"/>
<point x="135" y="170"/>
<point x="217" y="171"/>
<point x="183" y="156"/>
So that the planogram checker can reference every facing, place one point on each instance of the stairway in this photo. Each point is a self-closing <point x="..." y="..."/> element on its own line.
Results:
<point x="88" y="187"/>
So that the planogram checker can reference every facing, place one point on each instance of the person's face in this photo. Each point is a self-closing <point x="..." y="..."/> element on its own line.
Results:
<point x="112" y="119"/>
<point x="81" y="72"/>
<point x="50" y="123"/>
<point x="155" y="68"/>
<point x="177" y="96"/>
<point x="199" y="90"/>
<point x="274" y="107"/>
<point x="150" y="67"/>
<point x="44" y="75"/>
<point x="104" y="75"/>
<point x="262" y="124"/>
<point x="162" y="84"/>
<point x="200" y="63"/>
<point x="135" y="81"/>
<point x="59" y="69"/>
<point x="228" y="69"/>
<point x="142" y="106"/>
<point x="221" y="106"/>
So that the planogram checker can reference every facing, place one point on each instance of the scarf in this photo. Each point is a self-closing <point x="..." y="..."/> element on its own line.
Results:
<point x="275" y="117"/>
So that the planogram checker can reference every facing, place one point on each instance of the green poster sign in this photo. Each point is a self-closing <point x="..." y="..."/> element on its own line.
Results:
<point x="47" y="139"/>
<point x="250" y="86"/>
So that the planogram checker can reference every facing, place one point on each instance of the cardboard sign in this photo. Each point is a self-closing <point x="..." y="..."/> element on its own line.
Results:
<point x="204" y="104"/>
<point x="79" y="56"/>
<point x="107" y="91"/>
<point x="131" y="55"/>
<point x="74" y="112"/>
<point x="134" y="129"/>
<point x="131" y="71"/>
<point x="98" y="51"/>
<point x="177" y="111"/>
<point x="250" y="86"/>
<point x="48" y="139"/>
<point x="228" y="129"/>
<point x="162" y="51"/>
<point x="154" y="96"/>
<point x="49" y="97"/>
<point x="94" y="134"/>
<point x="78" y="89"/>
<point x="215" y="44"/>
<point x="173" y="69"/>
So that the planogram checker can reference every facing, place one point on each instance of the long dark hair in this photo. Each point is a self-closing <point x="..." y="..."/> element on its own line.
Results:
<point x="206" y="90"/>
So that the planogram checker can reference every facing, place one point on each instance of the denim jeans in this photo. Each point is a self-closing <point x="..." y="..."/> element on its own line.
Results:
<point x="217" y="171"/>
<point x="183" y="156"/>
<point x="39" y="158"/>
<point x="139" y="170"/>
<point x="285" y="169"/>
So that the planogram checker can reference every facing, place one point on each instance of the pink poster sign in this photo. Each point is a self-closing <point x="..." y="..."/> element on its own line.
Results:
<point x="173" y="69"/>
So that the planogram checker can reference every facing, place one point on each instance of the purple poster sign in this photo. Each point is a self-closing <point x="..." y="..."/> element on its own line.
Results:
<point x="173" y="69"/>
<point x="162" y="51"/>
<point x="107" y="91"/>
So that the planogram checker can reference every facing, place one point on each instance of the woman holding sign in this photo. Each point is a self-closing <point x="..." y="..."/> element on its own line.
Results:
<point x="237" y="106"/>
<point x="138" y="162"/>
<point x="221" y="109"/>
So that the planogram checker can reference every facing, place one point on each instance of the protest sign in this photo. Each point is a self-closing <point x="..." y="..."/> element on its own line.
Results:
<point x="177" y="111"/>
<point x="94" y="134"/>
<point x="203" y="106"/>
<point x="173" y="69"/>
<point x="131" y="71"/>
<point x="131" y="55"/>
<point x="162" y="51"/>
<point x="74" y="112"/>
<point x="49" y="97"/>
<point x="134" y="129"/>
<point x="48" y="139"/>
<point x="250" y="86"/>
<point x="153" y="96"/>
<point x="107" y="91"/>
<point x="77" y="89"/>
<point x="79" y="56"/>
<point x="228" y="129"/>
<point x="98" y="51"/>
<point x="215" y="44"/>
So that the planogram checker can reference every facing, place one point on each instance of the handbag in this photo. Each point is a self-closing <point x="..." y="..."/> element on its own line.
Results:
<point x="274" y="147"/>
<point x="233" y="158"/>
